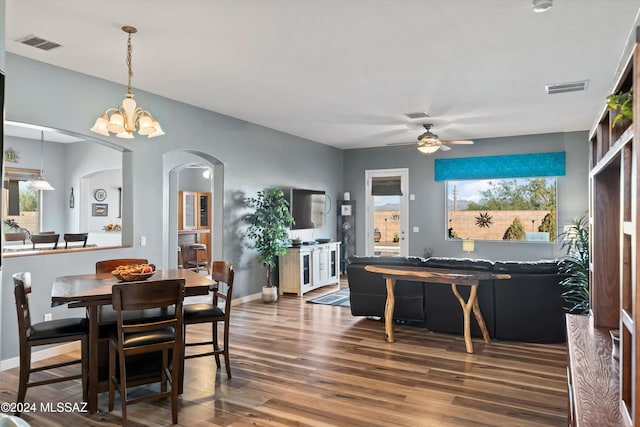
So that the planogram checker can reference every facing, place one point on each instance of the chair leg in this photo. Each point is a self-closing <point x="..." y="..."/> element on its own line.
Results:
<point x="112" y="374"/>
<point x="163" y="373"/>
<point x="25" y="370"/>
<point x="226" y="350"/>
<point x="176" y="380"/>
<point x="216" y="347"/>
<point x="123" y="389"/>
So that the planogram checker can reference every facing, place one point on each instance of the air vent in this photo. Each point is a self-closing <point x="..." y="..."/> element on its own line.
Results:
<point x="419" y="115"/>
<point x="566" y="87"/>
<point x="38" y="42"/>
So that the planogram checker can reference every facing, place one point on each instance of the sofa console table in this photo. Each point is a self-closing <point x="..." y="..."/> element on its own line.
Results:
<point x="307" y="267"/>
<point x="439" y="275"/>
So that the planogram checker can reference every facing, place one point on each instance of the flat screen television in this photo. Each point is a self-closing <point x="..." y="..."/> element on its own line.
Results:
<point x="307" y="208"/>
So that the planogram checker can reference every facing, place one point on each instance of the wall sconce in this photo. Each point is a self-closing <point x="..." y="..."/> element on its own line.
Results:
<point x="468" y="245"/>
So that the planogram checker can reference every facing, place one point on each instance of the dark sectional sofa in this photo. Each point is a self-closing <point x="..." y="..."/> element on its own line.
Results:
<point x="526" y="308"/>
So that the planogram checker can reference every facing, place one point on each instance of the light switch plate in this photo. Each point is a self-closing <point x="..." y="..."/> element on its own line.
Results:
<point x="416" y="229"/>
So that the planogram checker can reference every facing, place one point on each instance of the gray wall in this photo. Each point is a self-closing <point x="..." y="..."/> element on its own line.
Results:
<point x="427" y="211"/>
<point x="254" y="157"/>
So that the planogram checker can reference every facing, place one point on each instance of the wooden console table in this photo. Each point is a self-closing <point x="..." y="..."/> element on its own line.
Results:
<point x="437" y="275"/>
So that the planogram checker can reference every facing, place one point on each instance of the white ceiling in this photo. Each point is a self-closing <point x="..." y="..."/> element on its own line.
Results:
<point x="344" y="72"/>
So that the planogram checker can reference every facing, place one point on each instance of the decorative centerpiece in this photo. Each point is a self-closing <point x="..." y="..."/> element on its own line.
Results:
<point x="112" y="227"/>
<point x="134" y="272"/>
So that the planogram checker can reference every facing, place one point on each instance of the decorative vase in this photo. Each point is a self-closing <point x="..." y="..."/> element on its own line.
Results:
<point x="269" y="294"/>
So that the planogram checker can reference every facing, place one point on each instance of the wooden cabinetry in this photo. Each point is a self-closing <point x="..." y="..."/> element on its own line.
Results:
<point x="308" y="267"/>
<point x="346" y="231"/>
<point x="194" y="220"/>
<point x="614" y="217"/>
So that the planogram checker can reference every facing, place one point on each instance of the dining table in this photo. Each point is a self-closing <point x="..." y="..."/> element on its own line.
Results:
<point x="95" y="290"/>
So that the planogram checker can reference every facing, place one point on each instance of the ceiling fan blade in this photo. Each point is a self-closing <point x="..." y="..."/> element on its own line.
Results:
<point x="461" y="142"/>
<point x="444" y="148"/>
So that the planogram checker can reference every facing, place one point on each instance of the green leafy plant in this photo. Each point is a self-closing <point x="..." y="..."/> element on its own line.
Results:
<point x="575" y="265"/>
<point x="268" y="227"/>
<point x="622" y="102"/>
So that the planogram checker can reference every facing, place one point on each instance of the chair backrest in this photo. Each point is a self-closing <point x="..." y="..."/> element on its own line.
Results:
<point x="45" y="238"/>
<point x="21" y="288"/>
<point x="149" y="295"/>
<point x="75" y="237"/>
<point x="222" y="272"/>
<point x="108" y="265"/>
<point x="16" y="237"/>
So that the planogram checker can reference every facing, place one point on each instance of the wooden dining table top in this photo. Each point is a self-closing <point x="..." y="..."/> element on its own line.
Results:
<point x="98" y="287"/>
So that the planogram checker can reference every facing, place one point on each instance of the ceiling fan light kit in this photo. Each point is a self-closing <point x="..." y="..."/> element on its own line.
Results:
<point x="429" y="142"/>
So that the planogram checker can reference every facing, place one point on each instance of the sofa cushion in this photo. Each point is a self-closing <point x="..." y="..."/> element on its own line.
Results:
<point x="459" y="263"/>
<point x="526" y="267"/>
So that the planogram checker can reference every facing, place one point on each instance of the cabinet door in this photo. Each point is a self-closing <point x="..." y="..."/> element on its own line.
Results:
<point x="189" y="206"/>
<point x="305" y="269"/>
<point x="204" y="210"/>
<point x="333" y="262"/>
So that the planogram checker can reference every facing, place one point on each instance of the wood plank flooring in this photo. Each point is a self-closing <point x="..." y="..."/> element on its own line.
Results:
<point x="300" y="364"/>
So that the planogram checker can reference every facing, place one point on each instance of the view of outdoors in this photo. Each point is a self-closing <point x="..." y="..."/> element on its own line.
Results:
<point x="27" y="216"/>
<point x="386" y="235"/>
<point x="502" y="209"/>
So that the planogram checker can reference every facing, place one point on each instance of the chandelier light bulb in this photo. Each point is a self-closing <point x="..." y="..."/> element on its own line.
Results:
<point x="127" y="118"/>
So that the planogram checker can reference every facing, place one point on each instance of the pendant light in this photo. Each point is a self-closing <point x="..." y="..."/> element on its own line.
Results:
<point x="41" y="183"/>
<point x="127" y="118"/>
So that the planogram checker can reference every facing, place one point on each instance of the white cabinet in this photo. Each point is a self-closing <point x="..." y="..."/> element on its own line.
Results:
<point x="308" y="267"/>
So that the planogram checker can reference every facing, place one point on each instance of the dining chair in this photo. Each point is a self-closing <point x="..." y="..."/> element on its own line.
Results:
<point x="108" y="265"/>
<point x="50" y="238"/>
<point x="45" y="333"/>
<point x="75" y="237"/>
<point x="222" y="273"/>
<point x="149" y="335"/>
<point x="20" y="236"/>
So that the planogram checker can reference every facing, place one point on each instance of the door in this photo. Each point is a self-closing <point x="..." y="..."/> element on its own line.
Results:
<point x="386" y="208"/>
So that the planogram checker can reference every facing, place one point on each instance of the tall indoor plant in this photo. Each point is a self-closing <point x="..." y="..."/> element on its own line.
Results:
<point x="575" y="266"/>
<point x="268" y="228"/>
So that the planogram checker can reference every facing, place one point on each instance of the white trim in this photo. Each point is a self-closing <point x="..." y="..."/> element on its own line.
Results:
<point x="36" y="356"/>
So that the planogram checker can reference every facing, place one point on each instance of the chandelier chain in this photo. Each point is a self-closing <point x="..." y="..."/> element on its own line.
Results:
<point x="129" y="50"/>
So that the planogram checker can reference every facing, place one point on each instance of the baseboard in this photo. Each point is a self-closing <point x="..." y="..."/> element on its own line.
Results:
<point x="52" y="351"/>
<point x="57" y="350"/>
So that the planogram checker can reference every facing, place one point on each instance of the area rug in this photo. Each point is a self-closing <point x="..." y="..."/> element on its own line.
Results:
<point x="339" y="298"/>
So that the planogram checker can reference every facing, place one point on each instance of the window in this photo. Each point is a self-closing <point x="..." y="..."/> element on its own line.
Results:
<point x="502" y="209"/>
<point x="21" y="202"/>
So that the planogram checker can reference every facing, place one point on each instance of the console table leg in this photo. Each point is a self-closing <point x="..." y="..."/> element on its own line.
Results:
<point x="480" y="319"/>
<point x="466" y="312"/>
<point x="388" y="309"/>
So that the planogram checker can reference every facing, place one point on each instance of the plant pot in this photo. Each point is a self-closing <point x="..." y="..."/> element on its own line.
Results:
<point x="269" y="294"/>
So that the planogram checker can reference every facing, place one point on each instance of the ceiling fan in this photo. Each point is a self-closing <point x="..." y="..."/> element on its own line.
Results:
<point x="429" y="142"/>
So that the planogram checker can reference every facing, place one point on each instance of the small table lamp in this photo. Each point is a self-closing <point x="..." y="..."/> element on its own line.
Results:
<point x="468" y="245"/>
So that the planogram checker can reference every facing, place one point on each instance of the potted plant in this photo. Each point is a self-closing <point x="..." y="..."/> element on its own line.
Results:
<point x="396" y="238"/>
<point x="575" y="266"/>
<point x="268" y="228"/>
<point x="377" y="235"/>
<point x="622" y="104"/>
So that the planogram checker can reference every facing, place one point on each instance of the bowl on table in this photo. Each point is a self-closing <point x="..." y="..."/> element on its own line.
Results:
<point x="134" y="272"/>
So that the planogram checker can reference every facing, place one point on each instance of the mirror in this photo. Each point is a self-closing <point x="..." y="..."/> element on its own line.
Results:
<point x="86" y="176"/>
<point x="502" y="209"/>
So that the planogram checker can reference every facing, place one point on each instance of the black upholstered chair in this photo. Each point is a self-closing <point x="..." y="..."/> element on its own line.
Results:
<point x="222" y="272"/>
<point x="46" y="333"/>
<point x="161" y="334"/>
<point x="75" y="237"/>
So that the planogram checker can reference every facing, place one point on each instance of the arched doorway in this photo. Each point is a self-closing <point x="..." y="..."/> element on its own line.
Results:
<point x="174" y="163"/>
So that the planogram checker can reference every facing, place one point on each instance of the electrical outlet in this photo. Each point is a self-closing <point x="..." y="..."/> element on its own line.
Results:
<point x="416" y="229"/>
<point x="143" y="240"/>
<point x="48" y="316"/>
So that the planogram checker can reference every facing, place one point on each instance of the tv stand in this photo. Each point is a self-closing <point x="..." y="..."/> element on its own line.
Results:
<point x="310" y="266"/>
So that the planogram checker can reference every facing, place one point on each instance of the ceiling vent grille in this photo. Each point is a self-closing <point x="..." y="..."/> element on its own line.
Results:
<point x="38" y="42"/>
<point x="418" y="115"/>
<point x="566" y="87"/>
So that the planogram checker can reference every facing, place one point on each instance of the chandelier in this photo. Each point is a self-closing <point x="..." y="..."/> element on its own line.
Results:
<point x="127" y="118"/>
<point x="40" y="183"/>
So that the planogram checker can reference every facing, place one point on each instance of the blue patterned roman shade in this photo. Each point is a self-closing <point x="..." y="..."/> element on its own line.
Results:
<point x="509" y="166"/>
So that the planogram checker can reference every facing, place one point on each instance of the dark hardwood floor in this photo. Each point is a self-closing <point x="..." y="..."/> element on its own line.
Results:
<point x="296" y="363"/>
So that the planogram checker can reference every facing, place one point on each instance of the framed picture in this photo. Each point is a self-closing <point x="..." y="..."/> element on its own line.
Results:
<point x="100" y="209"/>
<point x="345" y="210"/>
